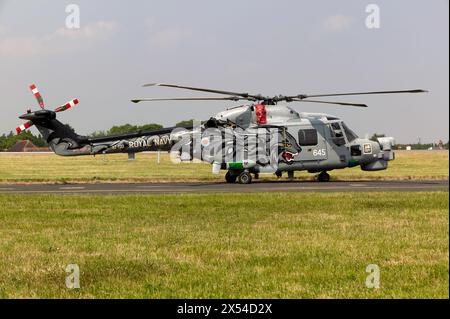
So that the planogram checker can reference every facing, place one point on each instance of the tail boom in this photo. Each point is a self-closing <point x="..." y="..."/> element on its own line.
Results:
<point x="65" y="142"/>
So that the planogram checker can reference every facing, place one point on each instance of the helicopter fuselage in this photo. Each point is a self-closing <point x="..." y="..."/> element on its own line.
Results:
<point x="314" y="142"/>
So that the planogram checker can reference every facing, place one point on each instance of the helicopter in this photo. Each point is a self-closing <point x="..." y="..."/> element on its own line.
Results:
<point x="265" y="135"/>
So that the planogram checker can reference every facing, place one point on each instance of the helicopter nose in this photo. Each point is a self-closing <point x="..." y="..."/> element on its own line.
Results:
<point x="386" y="143"/>
<point x="386" y="146"/>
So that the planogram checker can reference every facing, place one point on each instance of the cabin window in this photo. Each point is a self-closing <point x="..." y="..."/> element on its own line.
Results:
<point x="307" y="137"/>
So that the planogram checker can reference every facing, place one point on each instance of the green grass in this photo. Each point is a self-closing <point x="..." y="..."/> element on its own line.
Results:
<point x="52" y="168"/>
<point x="218" y="246"/>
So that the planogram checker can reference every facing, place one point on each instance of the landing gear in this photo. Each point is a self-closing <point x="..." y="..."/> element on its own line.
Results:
<point x="279" y="174"/>
<point x="245" y="178"/>
<point x="291" y="175"/>
<point x="323" y="177"/>
<point x="241" y="177"/>
<point x="230" y="177"/>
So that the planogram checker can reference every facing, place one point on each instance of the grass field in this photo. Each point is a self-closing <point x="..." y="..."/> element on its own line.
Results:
<point x="51" y="168"/>
<point x="232" y="245"/>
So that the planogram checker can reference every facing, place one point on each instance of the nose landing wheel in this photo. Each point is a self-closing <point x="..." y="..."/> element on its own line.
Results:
<point x="323" y="177"/>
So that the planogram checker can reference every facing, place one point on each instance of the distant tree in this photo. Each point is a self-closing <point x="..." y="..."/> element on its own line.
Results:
<point x="38" y="141"/>
<point x="375" y="136"/>
<point x="126" y="129"/>
<point x="8" y="141"/>
<point x="186" y="123"/>
<point x="98" y="134"/>
<point x="414" y="146"/>
<point x="122" y="129"/>
<point x="149" y="127"/>
<point x="2" y="142"/>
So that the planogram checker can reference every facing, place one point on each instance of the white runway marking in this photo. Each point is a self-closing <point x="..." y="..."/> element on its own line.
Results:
<point x="71" y="187"/>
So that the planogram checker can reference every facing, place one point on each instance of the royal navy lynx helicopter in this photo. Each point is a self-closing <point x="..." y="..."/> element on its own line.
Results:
<point x="262" y="136"/>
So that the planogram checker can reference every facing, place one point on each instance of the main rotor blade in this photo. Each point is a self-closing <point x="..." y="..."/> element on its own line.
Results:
<point x="362" y="93"/>
<point x="230" y="98"/>
<point x="243" y="95"/>
<point x="331" y="102"/>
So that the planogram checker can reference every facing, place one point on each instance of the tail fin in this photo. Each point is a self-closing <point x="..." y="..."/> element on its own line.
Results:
<point x="60" y="137"/>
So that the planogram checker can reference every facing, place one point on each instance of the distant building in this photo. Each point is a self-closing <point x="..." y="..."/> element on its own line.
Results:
<point x="27" y="146"/>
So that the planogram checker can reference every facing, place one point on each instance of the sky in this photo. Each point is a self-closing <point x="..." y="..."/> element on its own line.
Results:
<point x="256" y="46"/>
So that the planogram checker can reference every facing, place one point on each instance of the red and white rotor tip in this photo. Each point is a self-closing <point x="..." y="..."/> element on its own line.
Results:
<point x="23" y="127"/>
<point x="37" y="94"/>
<point x="67" y="106"/>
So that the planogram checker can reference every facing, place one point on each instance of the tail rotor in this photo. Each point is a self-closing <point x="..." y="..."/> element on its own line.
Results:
<point x="33" y="115"/>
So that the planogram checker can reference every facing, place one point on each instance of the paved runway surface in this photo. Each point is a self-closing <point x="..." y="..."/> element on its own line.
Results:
<point x="214" y="187"/>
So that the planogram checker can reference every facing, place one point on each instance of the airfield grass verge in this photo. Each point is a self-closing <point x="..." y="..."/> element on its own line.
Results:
<point x="50" y="168"/>
<point x="276" y="245"/>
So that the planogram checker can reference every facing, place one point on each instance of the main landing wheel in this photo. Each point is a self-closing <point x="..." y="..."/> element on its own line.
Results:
<point x="245" y="178"/>
<point x="324" y="177"/>
<point x="230" y="178"/>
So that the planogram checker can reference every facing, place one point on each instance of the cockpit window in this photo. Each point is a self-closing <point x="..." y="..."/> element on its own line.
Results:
<point x="335" y="126"/>
<point x="351" y="136"/>
<point x="336" y="134"/>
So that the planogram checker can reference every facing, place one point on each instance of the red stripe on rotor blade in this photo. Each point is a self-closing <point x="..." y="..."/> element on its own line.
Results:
<point x="23" y="127"/>
<point x="37" y="95"/>
<point x="67" y="106"/>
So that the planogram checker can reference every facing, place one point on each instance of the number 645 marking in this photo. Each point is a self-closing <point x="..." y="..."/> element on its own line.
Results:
<point x="319" y="152"/>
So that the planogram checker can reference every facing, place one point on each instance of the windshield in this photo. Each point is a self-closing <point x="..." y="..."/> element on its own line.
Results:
<point x="351" y="136"/>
